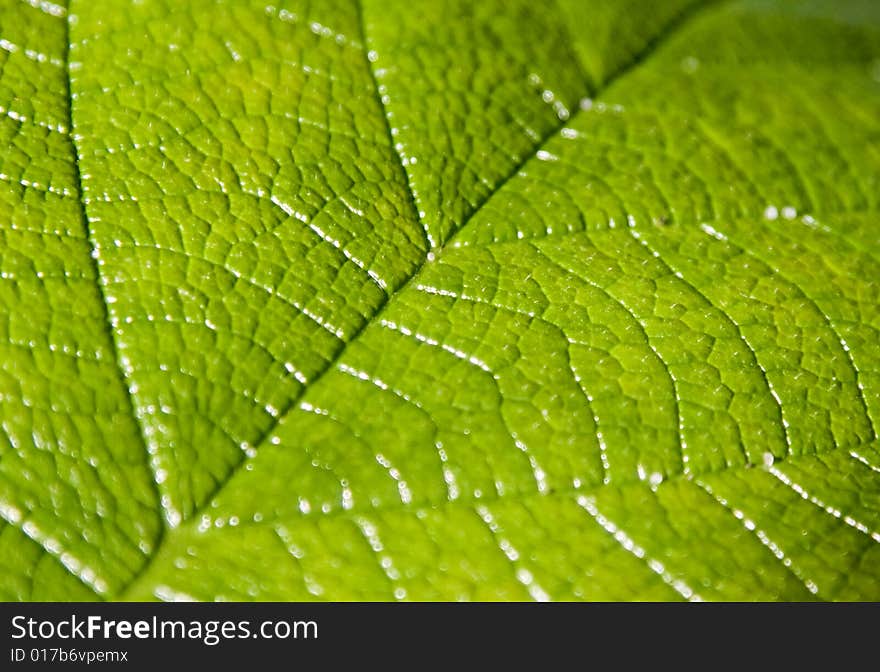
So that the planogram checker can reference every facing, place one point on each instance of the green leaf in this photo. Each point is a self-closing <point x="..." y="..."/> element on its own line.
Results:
<point x="440" y="300"/>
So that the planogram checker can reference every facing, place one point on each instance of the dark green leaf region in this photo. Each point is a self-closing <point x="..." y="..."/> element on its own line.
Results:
<point x="440" y="300"/>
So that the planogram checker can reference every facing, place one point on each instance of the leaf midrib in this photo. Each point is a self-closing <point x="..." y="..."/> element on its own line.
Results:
<point x="673" y="27"/>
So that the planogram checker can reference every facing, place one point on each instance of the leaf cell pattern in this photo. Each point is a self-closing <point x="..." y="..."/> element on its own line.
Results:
<point x="440" y="300"/>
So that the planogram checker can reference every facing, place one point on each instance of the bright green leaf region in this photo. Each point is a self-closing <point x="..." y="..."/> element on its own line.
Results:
<point x="440" y="300"/>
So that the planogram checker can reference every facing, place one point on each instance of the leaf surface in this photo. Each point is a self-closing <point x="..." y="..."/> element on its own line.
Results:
<point x="440" y="300"/>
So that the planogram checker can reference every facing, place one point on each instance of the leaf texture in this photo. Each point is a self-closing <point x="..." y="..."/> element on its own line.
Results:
<point x="440" y="300"/>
